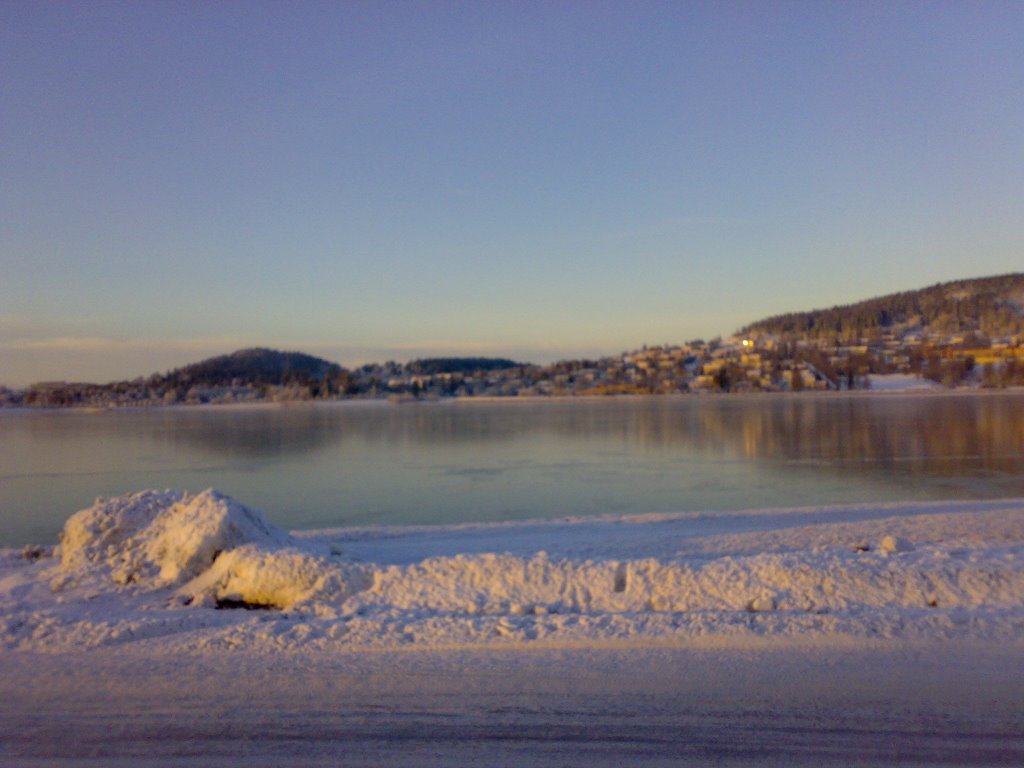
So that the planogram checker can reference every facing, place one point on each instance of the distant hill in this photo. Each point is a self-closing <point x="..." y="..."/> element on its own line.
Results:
<point x="256" y="366"/>
<point x="434" y="365"/>
<point x="993" y="306"/>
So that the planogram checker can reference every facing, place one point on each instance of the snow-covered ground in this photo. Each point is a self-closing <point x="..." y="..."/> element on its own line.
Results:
<point x="900" y="382"/>
<point x="180" y="622"/>
<point x="167" y="568"/>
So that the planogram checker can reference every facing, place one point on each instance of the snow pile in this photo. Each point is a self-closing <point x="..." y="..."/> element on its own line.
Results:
<point x="901" y="382"/>
<point x="255" y="577"/>
<point x="892" y="543"/>
<point x="160" y="538"/>
<point x="158" y="565"/>
<point x="796" y="582"/>
<point x="215" y="550"/>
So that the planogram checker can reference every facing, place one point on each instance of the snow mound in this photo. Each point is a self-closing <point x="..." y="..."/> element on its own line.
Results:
<point x="892" y="543"/>
<point x="160" y="538"/>
<point x="253" y="577"/>
<point x="155" y="564"/>
<point x="901" y="382"/>
<point x="797" y="581"/>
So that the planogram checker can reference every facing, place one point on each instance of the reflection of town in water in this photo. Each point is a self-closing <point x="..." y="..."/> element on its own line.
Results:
<point x="929" y="433"/>
<point x="348" y="463"/>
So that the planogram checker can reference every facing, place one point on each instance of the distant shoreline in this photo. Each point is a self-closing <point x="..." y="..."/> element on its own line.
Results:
<point x="384" y="402"/>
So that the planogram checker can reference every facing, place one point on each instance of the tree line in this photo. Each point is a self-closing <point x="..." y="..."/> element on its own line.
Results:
<point x="990" y="306"/>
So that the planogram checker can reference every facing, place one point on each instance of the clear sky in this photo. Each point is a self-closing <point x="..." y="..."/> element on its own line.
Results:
<point x="373" y="180"/>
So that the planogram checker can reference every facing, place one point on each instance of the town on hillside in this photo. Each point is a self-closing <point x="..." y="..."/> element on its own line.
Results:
<point x="965" y="333"/>
<point x="739" y="364"/>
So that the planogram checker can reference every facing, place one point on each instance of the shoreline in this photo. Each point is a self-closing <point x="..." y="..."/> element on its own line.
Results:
<point x="527" y="399"/>
<point x="154" y="567"/>
<point x="867" y="634"/>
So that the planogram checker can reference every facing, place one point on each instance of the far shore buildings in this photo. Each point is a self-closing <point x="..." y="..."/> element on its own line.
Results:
<point x="735" y="365"/>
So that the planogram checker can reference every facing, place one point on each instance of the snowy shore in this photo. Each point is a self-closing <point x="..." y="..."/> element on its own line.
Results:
<point x="164" y="604"/>
<point x="165" y="567"/>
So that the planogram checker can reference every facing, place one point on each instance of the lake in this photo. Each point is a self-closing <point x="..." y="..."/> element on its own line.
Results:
<point x="368" y="463"/>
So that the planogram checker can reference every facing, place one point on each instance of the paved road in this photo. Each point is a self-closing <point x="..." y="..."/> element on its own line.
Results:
<point x="546" y="707"/>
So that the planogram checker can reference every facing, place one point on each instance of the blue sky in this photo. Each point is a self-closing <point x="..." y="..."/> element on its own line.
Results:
<point x="371" y="181"/>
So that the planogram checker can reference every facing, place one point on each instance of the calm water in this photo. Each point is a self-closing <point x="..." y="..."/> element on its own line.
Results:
<point x="366" y="463"/>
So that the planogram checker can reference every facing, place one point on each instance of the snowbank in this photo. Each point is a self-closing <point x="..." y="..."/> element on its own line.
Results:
<point x="259" y="577"/>
<point x="164" y="566"/>
<point x="901" y="382"/>
<point x="159" y="538"/>
<point x="215" y="550"/>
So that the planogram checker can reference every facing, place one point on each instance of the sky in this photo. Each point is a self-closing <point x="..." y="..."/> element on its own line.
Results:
<point x="369" y="181"/>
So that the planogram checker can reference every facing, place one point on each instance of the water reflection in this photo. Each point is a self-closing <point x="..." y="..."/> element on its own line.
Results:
<point x="926" y="431"/>
<point x="365" y="463"/>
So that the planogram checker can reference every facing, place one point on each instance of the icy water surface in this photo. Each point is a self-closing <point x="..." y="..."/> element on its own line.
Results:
<point x="314" y="466"/>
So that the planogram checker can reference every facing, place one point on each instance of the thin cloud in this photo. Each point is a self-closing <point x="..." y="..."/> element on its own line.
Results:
<point x="73" y="344"/>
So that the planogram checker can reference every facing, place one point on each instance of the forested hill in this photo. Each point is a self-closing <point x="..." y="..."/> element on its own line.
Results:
<point x="260" y="366"/>
<point x="993" y="306"/>
<point x="436" y="365"/>
<point x="259" y="374"/>
<point x="255" y="366"/>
